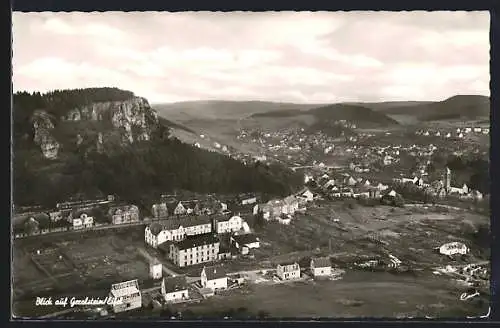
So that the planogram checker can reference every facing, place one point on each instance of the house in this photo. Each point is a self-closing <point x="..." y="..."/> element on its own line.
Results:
<point x="176" y="229"/>
<point x="291" y="205"/>
<point x="77" y="223"/>
<point x="284" y="219"/>
<point x="387" y="160"/>
<point x="382" y="187"/>
<point x="174" y="289"/>
<point x="214" y="277"/>
<point x="275" y="208"/>
<point x="159" y="210"/>
<point x="225" y="225"/>
<point x="126" y="296"/>
<point x="307" y="195"/>
<point x="288" y="271"/>
<point x="350" y="181"/>
<point x="321" y="267"/>
<point x="346" y="192"/>
<point x="187" y="207"/>
<point x="56" y="216"/>
<point x="124" y="214"/>
<point x="195" y="250"/>
<point x="248" y="199"/>
<point x="453" y="248"/>
<point x="477" y="130"/>
<point x="87" y="221"/>
<point x="374" y="193"/>
<point x="459" y="190"/>
<point x="329" y="184"/>
<point x="477" y="195"/>
<point x="248" y="240"/>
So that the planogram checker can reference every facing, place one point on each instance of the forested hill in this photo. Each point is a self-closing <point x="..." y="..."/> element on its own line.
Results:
<point x="107" y="140"/>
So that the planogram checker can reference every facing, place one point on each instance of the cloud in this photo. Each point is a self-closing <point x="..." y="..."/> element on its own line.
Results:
<point x="283" y="56"/>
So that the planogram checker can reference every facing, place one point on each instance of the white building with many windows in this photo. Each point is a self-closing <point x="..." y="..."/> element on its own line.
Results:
<point x="158" y="233"/>
<point x="288" y="271"/>
<point x="195" y="250"/>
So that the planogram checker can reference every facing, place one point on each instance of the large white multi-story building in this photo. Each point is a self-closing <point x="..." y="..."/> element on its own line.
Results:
<point x="195" y="250"/>
<point x="158" y="233"/>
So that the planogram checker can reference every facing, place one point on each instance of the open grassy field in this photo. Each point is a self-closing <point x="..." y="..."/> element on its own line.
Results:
<point x="358" y="294"/>
<point x="348" y="233"/>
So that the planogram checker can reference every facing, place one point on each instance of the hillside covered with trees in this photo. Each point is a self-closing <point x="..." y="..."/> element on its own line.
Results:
<point x="134" y="172"/>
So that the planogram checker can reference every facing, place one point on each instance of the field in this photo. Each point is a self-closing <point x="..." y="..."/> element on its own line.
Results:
<point x="358" y="294"/>
<point x="74" y="266"/>
<point x="336" y="229"/>
<point x="354" y="234"/>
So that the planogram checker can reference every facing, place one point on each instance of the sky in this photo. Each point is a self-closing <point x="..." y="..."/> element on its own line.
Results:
<point x="301" y="57"/>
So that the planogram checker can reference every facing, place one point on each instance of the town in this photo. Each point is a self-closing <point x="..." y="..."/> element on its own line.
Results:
<point x="195" y="246"/>
<point x="250" y="166"/>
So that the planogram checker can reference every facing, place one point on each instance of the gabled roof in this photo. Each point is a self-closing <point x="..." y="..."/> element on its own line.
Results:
<point x="289" y="263"/>
<point x="215" y="272"/>
<point x="246" y="239"/>
<point x="174" y="224"/>
<point x="321" y="262"/>
<point x="175" y="284"/>
<point x="197" y="240"/>
<point x="189" y="203"/>
<point x="125" y="288"/>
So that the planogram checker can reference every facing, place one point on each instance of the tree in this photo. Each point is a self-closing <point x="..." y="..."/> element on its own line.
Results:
<point x="259" y="220"/>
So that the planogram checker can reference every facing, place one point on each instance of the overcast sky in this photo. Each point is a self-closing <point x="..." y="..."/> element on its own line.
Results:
<point x="294" y="57"/>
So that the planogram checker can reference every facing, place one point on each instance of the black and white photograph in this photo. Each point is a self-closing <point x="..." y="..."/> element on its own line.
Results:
<point x="250" y="165"/>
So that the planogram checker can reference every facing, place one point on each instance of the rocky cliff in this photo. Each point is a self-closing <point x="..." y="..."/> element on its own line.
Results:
<point x="126" y="121"/>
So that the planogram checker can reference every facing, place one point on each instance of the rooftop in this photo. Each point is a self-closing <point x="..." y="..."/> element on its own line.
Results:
<point x="321" y="262"/>
<point x="176" y="223"/>
<point x="215" y="272"/>
<point x="197" y="240"/>
<point x="175" y="284"/>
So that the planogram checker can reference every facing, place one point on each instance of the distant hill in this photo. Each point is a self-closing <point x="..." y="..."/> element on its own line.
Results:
<point x="173" y="125"/>
<point x="219" y="109"/>
<point x="282" y="113"/>
<point x="360" y="115"/>
<point x="389" y="105"/>
<point x="457" y="107"/>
